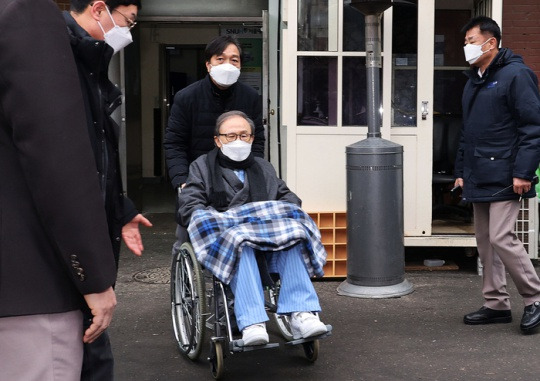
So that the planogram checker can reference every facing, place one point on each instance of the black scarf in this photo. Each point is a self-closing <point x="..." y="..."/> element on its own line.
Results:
<point x="257" y="183"/>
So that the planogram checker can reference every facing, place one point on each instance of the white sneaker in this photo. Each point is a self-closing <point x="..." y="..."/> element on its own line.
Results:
<point x="255" y="334"/>
<point x="306" y="324"/>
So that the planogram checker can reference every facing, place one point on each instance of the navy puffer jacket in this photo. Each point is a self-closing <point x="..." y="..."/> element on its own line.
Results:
<point x="500" y="137"/>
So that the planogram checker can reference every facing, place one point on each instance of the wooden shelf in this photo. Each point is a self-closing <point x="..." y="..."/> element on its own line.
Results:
<point x="333" y="228"/>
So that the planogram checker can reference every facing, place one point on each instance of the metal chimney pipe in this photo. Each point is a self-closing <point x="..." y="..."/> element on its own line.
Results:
<point x="373" y="66"/>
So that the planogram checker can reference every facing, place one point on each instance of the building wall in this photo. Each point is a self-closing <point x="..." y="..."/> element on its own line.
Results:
<point x="63" y="4"/>
<point x="521" y="30"/>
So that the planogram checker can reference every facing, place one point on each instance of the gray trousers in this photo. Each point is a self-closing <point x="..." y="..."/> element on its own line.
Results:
<point x="500" y="250"/>
<point x="46" y="347"/>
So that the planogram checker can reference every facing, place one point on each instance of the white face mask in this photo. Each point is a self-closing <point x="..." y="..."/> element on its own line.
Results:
<point x="118" y="37"/>
<point x="473" y="52"/>
<point x="238" y="150"/>
<point x="225" y="74"/>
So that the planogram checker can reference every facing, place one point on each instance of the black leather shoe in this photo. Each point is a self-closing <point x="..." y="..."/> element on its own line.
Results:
<point x="488" y="316"/>
<point x="531" y="317"/>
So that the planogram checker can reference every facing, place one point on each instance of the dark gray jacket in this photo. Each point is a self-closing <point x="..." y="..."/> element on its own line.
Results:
<point x="196" y="194"/>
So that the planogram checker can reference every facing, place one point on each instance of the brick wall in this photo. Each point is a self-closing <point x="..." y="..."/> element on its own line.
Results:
<point x="62" y="4"/>
<point x="521" y="30"/>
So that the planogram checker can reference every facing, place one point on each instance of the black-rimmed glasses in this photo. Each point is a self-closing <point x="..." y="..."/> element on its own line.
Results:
<point x="130" y="23"/>
<point x="232" y="137"/>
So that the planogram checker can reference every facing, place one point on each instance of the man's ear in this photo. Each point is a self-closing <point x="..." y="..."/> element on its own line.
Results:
<point x="208" y="66"/>
<point x="96" y="8"/>
<point x="217" y="142"/>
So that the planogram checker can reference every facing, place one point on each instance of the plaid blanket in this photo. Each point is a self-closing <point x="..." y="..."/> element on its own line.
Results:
<point x="218" y="238"/>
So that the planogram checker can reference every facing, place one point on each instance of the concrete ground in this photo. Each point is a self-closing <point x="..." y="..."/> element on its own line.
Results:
<point x="416" y="337"/>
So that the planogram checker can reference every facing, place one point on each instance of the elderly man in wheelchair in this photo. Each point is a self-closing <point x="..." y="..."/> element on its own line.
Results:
<point x="235" y="206"/>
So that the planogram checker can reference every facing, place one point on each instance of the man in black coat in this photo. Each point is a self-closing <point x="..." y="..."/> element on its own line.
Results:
<point x="190" y="130"/>
<point x="55" y="251"/>
<point x="496" y="161"/>
<point x="97" y="30"/>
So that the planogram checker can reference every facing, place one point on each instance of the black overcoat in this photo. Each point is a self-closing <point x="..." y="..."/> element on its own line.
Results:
<point x="54" y="244"/>
<point x="190" y="130"/>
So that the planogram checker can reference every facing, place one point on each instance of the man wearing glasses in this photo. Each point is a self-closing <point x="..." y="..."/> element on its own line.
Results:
<point x="97" y="30"/>
<point x="231" y="179"/>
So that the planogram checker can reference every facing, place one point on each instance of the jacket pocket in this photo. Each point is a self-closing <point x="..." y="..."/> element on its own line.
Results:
<point x="492" y="166"/>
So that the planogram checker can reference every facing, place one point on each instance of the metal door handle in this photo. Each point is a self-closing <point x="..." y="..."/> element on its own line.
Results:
<point x="424" y="109"/>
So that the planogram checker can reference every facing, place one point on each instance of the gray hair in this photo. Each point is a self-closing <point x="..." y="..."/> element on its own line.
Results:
<point x="227" y="115"/>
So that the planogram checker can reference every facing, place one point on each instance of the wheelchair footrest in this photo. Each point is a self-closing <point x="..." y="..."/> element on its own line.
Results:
<point x="312" y="338"/>
<point x="238" y="346"/>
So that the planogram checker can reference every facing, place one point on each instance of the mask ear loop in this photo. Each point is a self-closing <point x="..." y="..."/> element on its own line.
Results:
<point x="116" y="26"/>
<point x="485" y="42"/>
<point x="112" y="19"/>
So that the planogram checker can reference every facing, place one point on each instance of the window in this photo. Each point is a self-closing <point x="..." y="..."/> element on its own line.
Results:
<point x="404" y="65"/>
<point x="331" y="41"/>
<point x="317" y="88"/>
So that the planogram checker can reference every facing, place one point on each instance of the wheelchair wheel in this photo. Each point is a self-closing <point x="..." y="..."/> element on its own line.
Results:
<point x="282" y="321"/>
<point x="311" y="350"/>
<point x="188" y="302"/>
<point x="216" y="361"/>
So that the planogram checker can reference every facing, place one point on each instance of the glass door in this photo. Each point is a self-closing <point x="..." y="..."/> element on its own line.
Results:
<point x="450" y="215"/>
<point x="426" y="87"/>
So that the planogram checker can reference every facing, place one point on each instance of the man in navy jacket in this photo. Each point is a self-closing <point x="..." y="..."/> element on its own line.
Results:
<point x="498" y="154"/>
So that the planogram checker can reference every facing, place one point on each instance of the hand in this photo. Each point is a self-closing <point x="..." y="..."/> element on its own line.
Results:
<point x="458" y="182"/>
<point x="102" y="307"/>
<point x="179" y="189"/>
<point x="132" y="235"/>
<point x="521" y="186"/>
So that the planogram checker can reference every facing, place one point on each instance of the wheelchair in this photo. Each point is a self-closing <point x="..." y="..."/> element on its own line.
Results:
<point x="201" y="302"/>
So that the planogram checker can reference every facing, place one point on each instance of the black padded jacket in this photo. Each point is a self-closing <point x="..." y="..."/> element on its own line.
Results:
<point x="101" y="98"/>
<point x="190" y="130"/>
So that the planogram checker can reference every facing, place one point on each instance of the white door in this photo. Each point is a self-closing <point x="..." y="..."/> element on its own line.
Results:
<point x="427" y="123"/>
<point x="409" y="97"/>
<point x="324" y="99"/>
